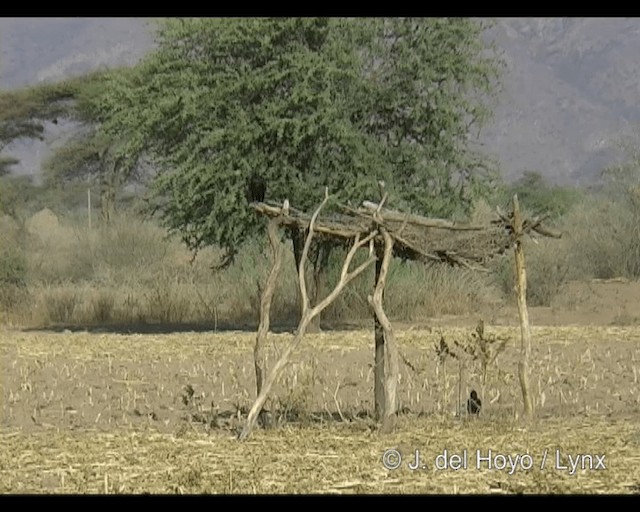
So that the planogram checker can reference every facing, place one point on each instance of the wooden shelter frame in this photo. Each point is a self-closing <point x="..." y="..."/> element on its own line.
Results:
<point x="387" y="233"/>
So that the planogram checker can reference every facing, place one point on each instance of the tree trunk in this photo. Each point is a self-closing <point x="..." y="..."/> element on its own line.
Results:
<point x="107" y="202"/>
<point x="297" y="239"/>
<point x="265" y="304"/>
<point x="308" y="313"/>
<point x="320" y="280"/>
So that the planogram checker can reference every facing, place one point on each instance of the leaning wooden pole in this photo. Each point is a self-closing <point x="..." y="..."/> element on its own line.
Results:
<point x="521" y="293"/>
<point x="392" y="367"/>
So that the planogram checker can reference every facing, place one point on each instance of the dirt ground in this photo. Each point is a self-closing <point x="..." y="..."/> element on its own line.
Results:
<point x="107" y="412"/>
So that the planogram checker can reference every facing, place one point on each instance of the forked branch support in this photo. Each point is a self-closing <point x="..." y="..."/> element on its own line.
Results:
<point x="308" y="312"/>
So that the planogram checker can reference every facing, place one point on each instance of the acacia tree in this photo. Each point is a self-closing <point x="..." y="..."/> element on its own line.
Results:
<point x="106" y="158"/>
<point x="430" y="82"/>
<point x="21" y="116"/>
<point x="309" y="103"/>
<point x="90" y="153"/>
<point x="24" y="111"/>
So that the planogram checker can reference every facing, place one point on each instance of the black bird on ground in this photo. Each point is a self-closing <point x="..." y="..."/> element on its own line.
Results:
<point x="256" y="188"/>
<point x="474" y="404"/>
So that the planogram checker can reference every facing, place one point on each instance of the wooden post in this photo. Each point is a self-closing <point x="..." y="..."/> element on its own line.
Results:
<point x="378" y="369"/>
<point x="391" y="365"/>
<point x="379" y="356"/>
<point x="521" y="293"/>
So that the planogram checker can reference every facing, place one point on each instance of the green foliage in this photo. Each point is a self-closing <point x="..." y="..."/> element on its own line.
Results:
<point x="94" y="152"/>
<point x="78" y="158"/>
<point x="309" y="103"/>
<point x="13" y="261"/>
<point x="14" y="191"/>
<point x="427" y="86"/>
<point x="539" y="197"/>
<point x="13" y="267"/>
<point x="23" y="111"/>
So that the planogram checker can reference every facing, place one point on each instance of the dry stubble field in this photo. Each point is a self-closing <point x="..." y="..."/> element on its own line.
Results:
<point x="102" y="412"/>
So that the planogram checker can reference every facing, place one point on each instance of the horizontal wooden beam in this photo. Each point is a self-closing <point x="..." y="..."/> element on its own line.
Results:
<point x="417" y="220"/>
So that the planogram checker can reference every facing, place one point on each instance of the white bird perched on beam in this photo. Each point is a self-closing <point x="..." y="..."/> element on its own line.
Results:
<point x="370" y="205"/>
<point x="285" y="207"/>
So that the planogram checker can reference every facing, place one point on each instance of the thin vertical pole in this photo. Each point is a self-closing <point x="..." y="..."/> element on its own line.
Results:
<point x="525" y="331"/>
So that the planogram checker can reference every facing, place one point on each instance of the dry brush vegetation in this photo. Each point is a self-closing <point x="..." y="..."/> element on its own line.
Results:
<point x="61" y="273"/>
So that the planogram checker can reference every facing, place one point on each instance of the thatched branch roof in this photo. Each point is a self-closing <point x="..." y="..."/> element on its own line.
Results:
<point x="415" y="237"/>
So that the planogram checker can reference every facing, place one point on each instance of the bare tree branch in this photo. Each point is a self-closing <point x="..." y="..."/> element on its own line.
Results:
<point x="305" y="251"/>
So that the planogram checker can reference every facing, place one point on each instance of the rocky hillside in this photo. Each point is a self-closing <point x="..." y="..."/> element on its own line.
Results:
<point x="572" y="87"/>
<point x="572" y="84"/>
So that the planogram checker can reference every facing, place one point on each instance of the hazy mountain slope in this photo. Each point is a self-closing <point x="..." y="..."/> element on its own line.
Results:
<point x="572" y="85"/>
<point x="37" y="49"/>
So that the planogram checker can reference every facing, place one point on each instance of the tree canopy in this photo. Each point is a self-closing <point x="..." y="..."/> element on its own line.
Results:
<point x="305" y="102"/>
<point x="24" y="112"/>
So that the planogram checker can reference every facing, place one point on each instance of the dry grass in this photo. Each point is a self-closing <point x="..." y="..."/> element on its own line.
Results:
<point x="111" y="413"/>
<point x="331" y="459"/>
